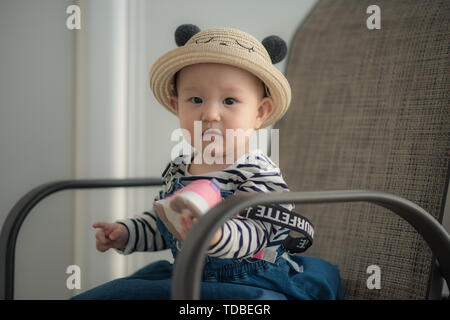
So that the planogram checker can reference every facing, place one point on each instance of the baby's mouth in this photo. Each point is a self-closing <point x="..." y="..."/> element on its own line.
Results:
<point x="211" y="134"/>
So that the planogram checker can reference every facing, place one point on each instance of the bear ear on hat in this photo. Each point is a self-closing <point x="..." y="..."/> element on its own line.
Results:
<point x="184" y="33"/>
<point x="276" y="48"/>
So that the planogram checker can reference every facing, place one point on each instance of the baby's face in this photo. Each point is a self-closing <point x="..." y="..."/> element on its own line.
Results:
<point x="221" y="97"/>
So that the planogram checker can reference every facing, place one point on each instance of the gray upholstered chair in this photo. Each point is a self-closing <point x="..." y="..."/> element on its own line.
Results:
<point x="370" y="111"/>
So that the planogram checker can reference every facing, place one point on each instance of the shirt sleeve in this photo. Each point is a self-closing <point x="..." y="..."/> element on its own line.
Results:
<point x="143" y="235"/>
<point x="244" y="237"/>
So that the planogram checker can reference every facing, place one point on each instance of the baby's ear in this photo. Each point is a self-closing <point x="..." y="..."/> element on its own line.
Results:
<point x="174" y="103"/>
<point x="184" y="33"/>
<point x="265" y="109"/>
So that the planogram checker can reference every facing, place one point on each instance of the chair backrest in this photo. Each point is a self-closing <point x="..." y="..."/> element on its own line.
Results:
<point x="370" y="110"/>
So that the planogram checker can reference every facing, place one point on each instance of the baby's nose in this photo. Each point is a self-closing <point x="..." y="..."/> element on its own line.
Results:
<point x="210" y="112"/>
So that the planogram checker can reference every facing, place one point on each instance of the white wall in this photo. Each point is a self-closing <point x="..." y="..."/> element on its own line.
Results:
<point x="36" y="105"/>
<point x="100" y="131"/>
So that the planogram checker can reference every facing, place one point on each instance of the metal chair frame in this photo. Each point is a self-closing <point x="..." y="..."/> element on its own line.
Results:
<point x="189" y="263"/>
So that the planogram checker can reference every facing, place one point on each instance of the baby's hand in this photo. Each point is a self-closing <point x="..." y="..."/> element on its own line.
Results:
<point x="187" y="220"/>
<point x="110" y="235"/>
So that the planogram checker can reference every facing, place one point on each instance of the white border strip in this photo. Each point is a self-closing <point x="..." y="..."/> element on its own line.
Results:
<point x="100" y="131"/>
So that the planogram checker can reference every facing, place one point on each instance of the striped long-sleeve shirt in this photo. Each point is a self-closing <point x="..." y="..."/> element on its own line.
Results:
<point x="241" y="237"/>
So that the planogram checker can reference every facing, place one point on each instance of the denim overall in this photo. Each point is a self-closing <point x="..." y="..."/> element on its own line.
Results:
<point x="233" y="279"/>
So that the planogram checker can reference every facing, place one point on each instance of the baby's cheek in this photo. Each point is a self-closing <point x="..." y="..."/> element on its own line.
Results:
<point x="187" y="136"/>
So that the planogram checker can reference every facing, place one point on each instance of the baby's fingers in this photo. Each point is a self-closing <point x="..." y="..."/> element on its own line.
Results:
<point x="102" y="242"/>
<point x="114" y="235"/>
<point x="187" y="221"/>
<point x="100" y="224"/>
<point x="105" y="226"/>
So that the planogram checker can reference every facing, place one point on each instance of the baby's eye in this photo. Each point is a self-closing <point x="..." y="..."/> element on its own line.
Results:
<point x="196" y="100"/>
<point x="229" y="101"/>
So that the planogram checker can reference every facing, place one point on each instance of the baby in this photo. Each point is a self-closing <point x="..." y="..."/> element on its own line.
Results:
<point x="223" y="80"/>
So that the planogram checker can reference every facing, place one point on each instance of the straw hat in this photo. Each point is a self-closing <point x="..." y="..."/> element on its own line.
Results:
<point x="227" y="46"/>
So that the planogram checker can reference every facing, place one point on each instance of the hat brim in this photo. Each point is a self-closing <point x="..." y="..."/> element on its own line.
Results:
<point x="164" y="69"/>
